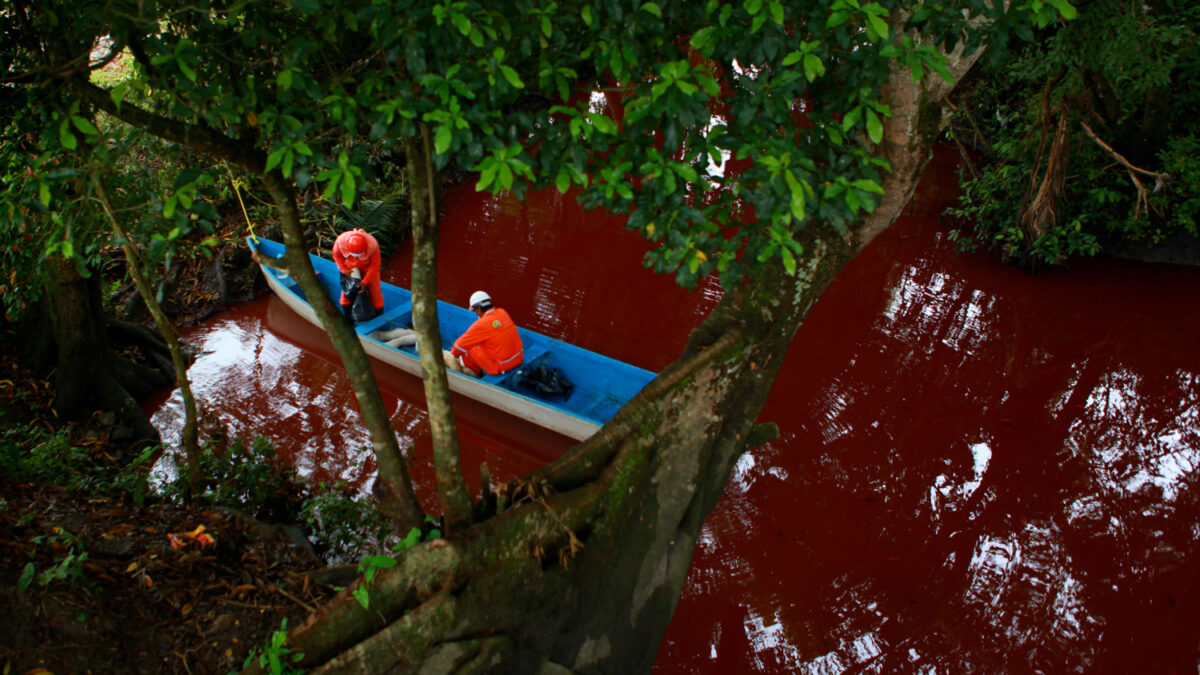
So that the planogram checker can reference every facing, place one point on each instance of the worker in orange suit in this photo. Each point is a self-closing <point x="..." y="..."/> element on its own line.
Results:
<point x="491" y="345"/>
<point x="356" y="254"/>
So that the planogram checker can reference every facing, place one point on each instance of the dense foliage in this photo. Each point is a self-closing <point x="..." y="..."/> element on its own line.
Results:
<point x="322" y="89"/>
<point x="1090" y="136"/>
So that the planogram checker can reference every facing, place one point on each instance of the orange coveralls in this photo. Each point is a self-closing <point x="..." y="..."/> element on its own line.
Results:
<point x="492" y="344"/>
<point x="368" y="264"/>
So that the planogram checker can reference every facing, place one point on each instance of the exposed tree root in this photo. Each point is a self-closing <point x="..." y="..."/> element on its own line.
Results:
<point x="1041" y="213"/>
<point x="1143" y="193"/>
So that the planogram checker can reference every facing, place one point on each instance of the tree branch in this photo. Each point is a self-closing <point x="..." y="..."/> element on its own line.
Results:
<point x="1143" y="198"/>
<point x="201" y="138"/>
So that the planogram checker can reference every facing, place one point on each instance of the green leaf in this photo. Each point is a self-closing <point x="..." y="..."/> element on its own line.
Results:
<point x="118" y="94"/>
<point x="504" y="176"/>
<point x="797" y="190"/>
<point x="652" y="8"/>
<point x="382" y="562"/>
<point x="27" y="576"/>
<point x="82" y="124"/>
<point x="777" y="12"/>
<point x="275" y="158"/>
<point x="917" y="72"/>
<point x="867" y="185"/>
<point x="511" y="75"/>
<point x="685" y="172"/>
<point x="789" y="261"/>
<point x="66" y="137"/>
<point x="284" y="79"/>
<point x="753" y="7"/>
<point x="874" y="127"/>
<point x="853" y="201"/>
<point x="412" y="539"/>
<point x="603" y="123"/>
<point x="348" y="188"/>
<point x="331" y="186"/>
<point x="793" y="58"/>
<point x="586" y="15"/>
<point x="767" y="252"/>
<point x="361" y="594"/>
<point x="1065" y="8"/>
<point x="813" y="67"/>
<point x="563" y="180"/>
<point x="487" y="175"/>
<point x="442" y="138"/>
<point x="44" y="193"/>
<point x="701" y="39"/>
<point x="879" y="25"/>
<point x="306" y="6"/>
<point x="186" y="70"/>
<point x="462" y="23"/>
<point x="852" y="118"/>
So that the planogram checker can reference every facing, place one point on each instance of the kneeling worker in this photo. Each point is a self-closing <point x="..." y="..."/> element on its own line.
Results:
<point x="492" y="344"/>
<point x="356" y="254"/>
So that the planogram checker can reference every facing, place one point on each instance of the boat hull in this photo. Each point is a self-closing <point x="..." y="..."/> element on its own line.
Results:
<point x="602" y="384"/>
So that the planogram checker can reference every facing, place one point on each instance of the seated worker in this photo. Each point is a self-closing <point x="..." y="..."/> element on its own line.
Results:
<point x="491" y="344"/>
<point x="356" y="254"/>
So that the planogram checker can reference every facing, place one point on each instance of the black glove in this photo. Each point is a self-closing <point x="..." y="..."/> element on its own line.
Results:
<point x="348" y="313"/>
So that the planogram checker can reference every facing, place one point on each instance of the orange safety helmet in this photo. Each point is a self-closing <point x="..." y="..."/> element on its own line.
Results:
<point x="355" y="245"/>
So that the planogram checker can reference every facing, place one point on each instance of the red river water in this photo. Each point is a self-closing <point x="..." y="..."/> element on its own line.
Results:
<point x="980" y="469"/>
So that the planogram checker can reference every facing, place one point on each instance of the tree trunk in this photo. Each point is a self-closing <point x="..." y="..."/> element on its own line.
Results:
<point x="179" y="362"/>
<point x="85" y="379"/>
<point x="392" y="485"/>
<point x="452" y="486"/>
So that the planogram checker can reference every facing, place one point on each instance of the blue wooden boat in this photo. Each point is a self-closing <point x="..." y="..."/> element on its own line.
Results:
<point x="601" y="384"/>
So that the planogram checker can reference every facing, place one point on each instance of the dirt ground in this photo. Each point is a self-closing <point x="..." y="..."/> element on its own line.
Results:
<point x="98" y="584"/>
<point x="155" y="594"/>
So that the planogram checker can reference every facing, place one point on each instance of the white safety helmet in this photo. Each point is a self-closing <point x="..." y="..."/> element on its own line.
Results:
<point x="479" y="298"/>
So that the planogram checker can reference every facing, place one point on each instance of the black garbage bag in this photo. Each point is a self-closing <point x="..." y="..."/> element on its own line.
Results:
<point x="361" y="308"/>
<point x="544" y="381"/>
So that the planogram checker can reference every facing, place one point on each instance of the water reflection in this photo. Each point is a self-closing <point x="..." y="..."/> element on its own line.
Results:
<point x="251" y="382"/>
<point x="980" y="472"/>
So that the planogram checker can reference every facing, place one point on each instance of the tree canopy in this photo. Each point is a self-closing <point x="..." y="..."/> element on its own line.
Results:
<point x="320" y="90"/>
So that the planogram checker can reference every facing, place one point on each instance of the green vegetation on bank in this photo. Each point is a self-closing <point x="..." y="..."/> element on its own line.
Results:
<point x="245" y="477"/>
<point x="1089" y="138"/>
